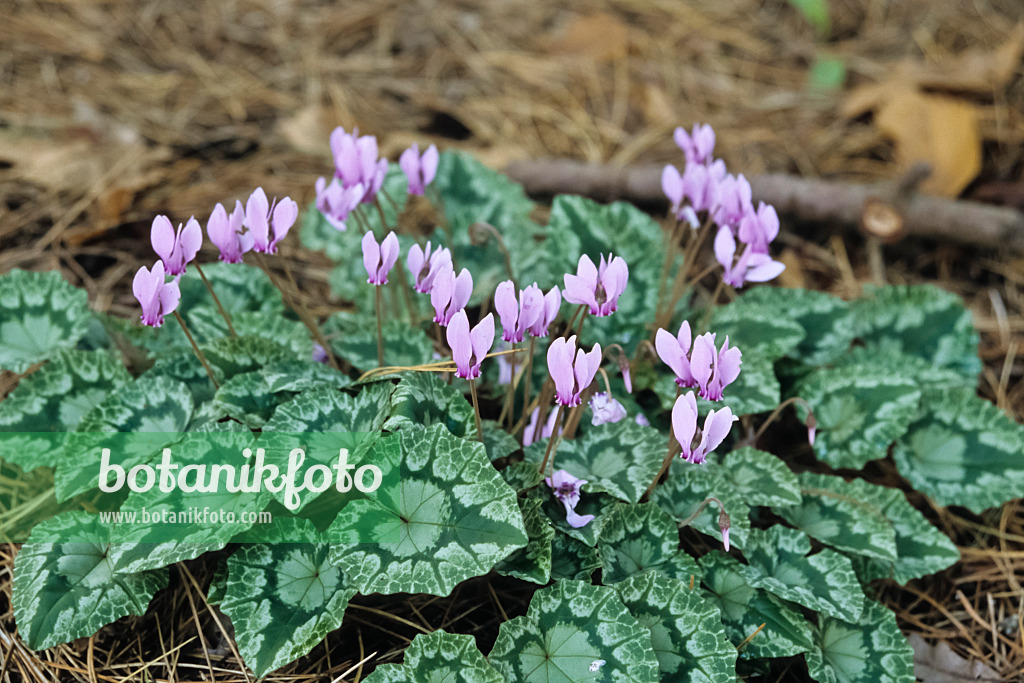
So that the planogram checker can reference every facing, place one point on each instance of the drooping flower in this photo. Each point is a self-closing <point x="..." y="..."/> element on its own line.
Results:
<point x="259" y="220"/>
<point x="530" y="434"/>
<point x="696" y="444"/>
<point x="157" y="298"/>
<point x="675" y="353"/>
<point x="336" y="202"/>
<point x="605" y="409"/>
<point x="469" y="347"/>
<point x="420" y="171"/>
<point x="572" y="370"/>
<point x="517" y="316"/>
<point x="642" y="420"/>
<point x="734" y="201"/>
<point x="357" y="162"/>
<point x="724" y="524"/>
<point x="176" y="249"/>
<point x="567" y="490"/>
<point x="449" y="293"/>
<point x="552" y="302"/>
<point x="598" y="287"/>
<point x="425" y="265"/>
<point x="758" y="229"/>
<point x="750" y="266"/>
<point x="320" y="354"/>
<point x="379" y="259"/>
<point x="672" y="186"/>
<point x="714" y="369"/>
<point x="226" y="233"/>
<point x="697" y="146"/>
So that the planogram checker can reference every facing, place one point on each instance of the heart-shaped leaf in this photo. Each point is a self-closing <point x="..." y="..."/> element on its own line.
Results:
<point x="753" y="328"/>
<point x="455" y="518"/>
<point x="532" y="563"/>
<point x="760" y="478"/>
<point x="439" y="657"/>
<point x="686" y="630"/>
<point x="573" y="631"/>
<point x="870" y="650"/>
<point x="572" y="559"/>
<point x="40" y="313"/>
<point x="640" y="538"/>
<point x="283" y="597"/>
<point x="746" y="609"/>
<point x="423" y="398"/>
<point x="686" y="489"/>
<point x="66" y="590"/>
<point x="962" y="450"/>
<point x="827" y="321"/>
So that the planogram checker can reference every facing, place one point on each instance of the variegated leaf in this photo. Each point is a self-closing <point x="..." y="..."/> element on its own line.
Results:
<point x="640" y="538"/>
<point x="40" y="314"/>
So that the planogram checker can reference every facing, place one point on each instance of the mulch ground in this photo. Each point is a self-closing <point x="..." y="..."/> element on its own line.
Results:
<point x="114" y="110"/>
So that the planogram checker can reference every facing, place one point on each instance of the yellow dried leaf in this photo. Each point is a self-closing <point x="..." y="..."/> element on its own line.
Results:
<point x="941" y="131"/>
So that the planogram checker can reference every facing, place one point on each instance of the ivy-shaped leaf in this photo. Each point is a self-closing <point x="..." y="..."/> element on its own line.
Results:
<point x="327" y="420"/>
<point x="962" y="450"/>
<point x="621" y="458"/>
<point x="859" y="412"/>
<point x="688" y="486"/>
<point x="845" y="515"/>
<point x="423" y="398"/>
<point x="439" y="657"/>
<point x="827" y="321"/>
<point x="497" y="441"/>
<point x="922" y="321"/>
<point x="753" y="328"/>
<point x="298" y="376"/>
<point x="283" y="597"/>
<point x="686" y="630"/>
<point x="745" y="609"/>
<point x="455" y="517"/>
<point x="572" y="559"/>
<point x="532" y="563"/>
<point x="150" y="546"/>
<point x="157" y="405"/>
<point x="885" y="362"/>
<point x="184" y="367"/>
<point x="521" y="475"/>
<point x="54" y="399"/>
<point x="870" y="650"/>
<point x="66" y="590"/>
<point x="234" y="355"/>
<point x="780" y="563"/>
<point x="40" y="313"/>
<point x="640" y="538"/>
<point x="573" y="631"/>
<point x="889" y="538"/>
<point x="760" y="478"/>
<point x="207" y="325"/>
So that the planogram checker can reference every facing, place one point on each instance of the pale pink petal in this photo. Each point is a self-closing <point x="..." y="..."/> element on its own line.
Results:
<point x="459" y="341"/>
<point x="684" y="422"/>
<point x="482" y="338"/>
<point x="463" y="290"/>
<point x="162" y="237"/>
<point x="219" y="230"/>
<point x="191" y="240"/>
<point x="428" y="164"/>
<point x="560" y="357"/>
<point x="702" y="358"/>
<point x="672" y="185"/>
<point x="371" y="257"/>
<point x="507" y="307"/>
<point x="389" y="255"/>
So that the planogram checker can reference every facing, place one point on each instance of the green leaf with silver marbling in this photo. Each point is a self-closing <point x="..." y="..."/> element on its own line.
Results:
<point x="423" y="398"/>
<point x="871" y="650"/>
<point x="439" y="657"/>
<point x="532" y="563"/>
<point x="40" y="314"/>
<point x="640" y="538"/>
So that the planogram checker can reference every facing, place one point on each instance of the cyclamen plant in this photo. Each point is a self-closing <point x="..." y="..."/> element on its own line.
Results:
<point x="514" y="481"/>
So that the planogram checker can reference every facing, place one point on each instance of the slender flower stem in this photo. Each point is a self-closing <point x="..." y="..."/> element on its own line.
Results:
<point x="528" y="373"/>
<point x="556" y="433"/>
<point x="216" y="300"/>
<point x="712" y="303"/>
<point x="296" y="305"/>
<point x="476" y="411"/>
<point x="196" y="350"/>
<point x="510" y="393"/>
<point x="775" y="414"/>
<point x="700" y="508"/>
<point x="572" y="321"/>
<point x="579" y="328"/>
<point x="573" y="419"/>
<point x="682" y="275"/>
<point x="380" y="328"/>
<point x="669" y="455"/>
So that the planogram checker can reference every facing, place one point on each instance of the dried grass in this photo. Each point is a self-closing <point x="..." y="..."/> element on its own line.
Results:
<point x="114" y="110"/>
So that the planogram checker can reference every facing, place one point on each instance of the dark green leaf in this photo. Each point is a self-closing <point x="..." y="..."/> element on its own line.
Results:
<point x="40" y="314"/>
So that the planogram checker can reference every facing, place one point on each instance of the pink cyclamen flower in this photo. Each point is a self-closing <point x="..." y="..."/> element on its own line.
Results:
<point x="469" y="347"/>
<point x="714" y="369"/>
<point x="697" y="146"/>
<point x="696" y="444"/>
<point x="750" y="266"/>
<point x="336" y="202"/>
<point x="517" y="315"/>
<point x="176" y="249"/>
<point x="449" y="293"/>
<point x="425" y="265"/>
<point x="552" y="302"/>
<point x="420" y="171"/>
<point x="672" y="186"/>
<point x="379" y="259"/>
<point x="598" y="287"/>
<point x="157" y="298"/>
<point x="700" y="187"/>
<point x="357" y="162"/>
<point x="226" y="233"/>
<point x="605" y="409"/>
<point x="642" y="420"/>
<point x="734" y="201"/>
<point x="572" y="370"/>
<point x="675" y="353"/>
<point x="758" y="229"/>
<point x="567" y="490"/>
<point x="530" y="434"/>
<point x="260" y="220"/>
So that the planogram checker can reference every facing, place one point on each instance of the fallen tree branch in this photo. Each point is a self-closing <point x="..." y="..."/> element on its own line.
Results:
<point x="824" y="201"/>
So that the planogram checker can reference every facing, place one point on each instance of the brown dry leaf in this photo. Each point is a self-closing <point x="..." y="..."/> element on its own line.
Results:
<point x="978" y="70"/>
<point x="939" y="664"/>
<point x="935" y="129"/>
<point x="793" y="276"/>
<point x="657" y="107"/>
<point x="308" y="129"/>
<point x="57" y="165"/>
<point x="600" y="37"/>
